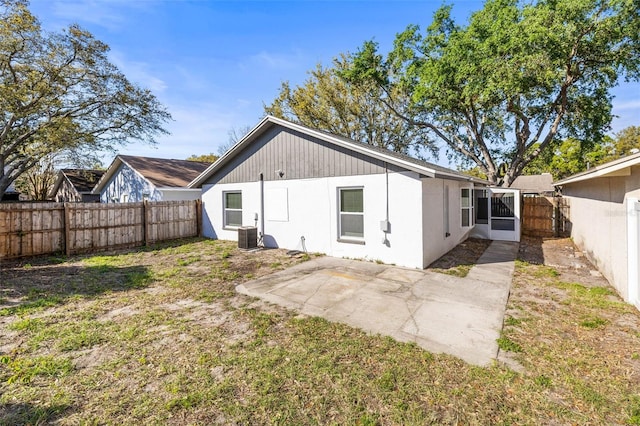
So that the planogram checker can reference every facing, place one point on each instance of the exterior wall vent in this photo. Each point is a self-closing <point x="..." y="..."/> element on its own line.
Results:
<point x="247" y="237"/>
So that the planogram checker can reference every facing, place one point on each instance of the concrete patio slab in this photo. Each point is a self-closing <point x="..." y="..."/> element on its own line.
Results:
<point x="441" y="313"/>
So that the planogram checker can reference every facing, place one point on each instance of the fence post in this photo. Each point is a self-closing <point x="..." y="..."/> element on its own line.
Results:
<point x="145" y="221"/>
<point x="556" y="216"/>
<point x="67" y="229"/>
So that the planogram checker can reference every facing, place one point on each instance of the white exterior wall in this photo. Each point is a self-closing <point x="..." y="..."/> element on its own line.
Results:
<point x="179" y="194"/>
<point x="599" y="229"/>
<point x="312" y="212"/>
<point x="125" y="181"/>
<point x="599" y="214"/>
<point x="436" y="242"/>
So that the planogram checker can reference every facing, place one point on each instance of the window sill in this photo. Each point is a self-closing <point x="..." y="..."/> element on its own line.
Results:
<point x="347" y="241"/>
<point x="231" y="228"/>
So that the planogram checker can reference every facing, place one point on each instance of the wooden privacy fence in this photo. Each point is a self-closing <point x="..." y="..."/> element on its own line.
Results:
<point x="29" y="229"/>
<point x="545" y="217"/>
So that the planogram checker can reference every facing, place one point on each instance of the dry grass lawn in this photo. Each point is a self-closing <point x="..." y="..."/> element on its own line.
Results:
<point x="159" y="336"/>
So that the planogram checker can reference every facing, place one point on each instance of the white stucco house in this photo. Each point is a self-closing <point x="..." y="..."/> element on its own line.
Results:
<point x="605" y="220"/>
<point x="310" y="190"/>
<point x="134" y="179"/>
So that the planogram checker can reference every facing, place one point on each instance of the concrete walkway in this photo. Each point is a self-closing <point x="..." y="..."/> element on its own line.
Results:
<point x="441" y="313"/>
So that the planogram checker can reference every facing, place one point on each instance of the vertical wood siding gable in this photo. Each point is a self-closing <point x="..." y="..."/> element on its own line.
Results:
<point x="299" y="156"/>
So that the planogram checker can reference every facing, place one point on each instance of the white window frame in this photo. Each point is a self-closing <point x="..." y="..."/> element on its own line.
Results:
<point x="225" y="209"/>
<point x="468" y="208"/>
<point x="349" y="238"/>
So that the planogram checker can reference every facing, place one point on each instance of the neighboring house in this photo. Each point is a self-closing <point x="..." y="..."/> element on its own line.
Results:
<point x="75" y="185"/>
<point x="309" y="190"/>
<point x="605" y="220"/>
<point x="11" y="194"/>
<point x="535" y="185"/>
<point x="134" y="179"/>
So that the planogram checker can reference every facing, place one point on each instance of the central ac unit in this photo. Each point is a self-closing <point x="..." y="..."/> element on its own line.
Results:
<point x="247" y="237"/>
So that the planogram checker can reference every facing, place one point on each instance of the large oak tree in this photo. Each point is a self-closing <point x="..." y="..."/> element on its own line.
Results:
<point x="517" y="78"/>
<point x="60" y="93"/>
<point x="328" y="102"/>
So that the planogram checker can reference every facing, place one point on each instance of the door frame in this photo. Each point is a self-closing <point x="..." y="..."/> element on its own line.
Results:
<point x="505" y="235"/>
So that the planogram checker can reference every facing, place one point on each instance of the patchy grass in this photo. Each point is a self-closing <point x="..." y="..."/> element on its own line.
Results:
<point x="506" y="344"/>
<point x="575" y="339"/>
<point x="159" y="336"/>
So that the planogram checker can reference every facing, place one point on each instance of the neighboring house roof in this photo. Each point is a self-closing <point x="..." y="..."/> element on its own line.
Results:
<point x="534" y="183"/>
<point x="82" y="180"/>
<point x="161" y="172"/>
<point x="619" y="167"/>
<point x="401" y="160"/>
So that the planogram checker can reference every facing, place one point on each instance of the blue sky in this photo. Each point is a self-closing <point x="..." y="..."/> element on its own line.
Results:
<point x="214" y="64"/>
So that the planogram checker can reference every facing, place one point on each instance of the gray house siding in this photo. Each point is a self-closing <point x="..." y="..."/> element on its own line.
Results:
<point x="125" y="182"/>
<point x="298" y="156"/>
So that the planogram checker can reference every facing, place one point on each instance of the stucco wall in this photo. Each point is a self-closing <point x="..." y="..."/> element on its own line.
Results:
<point x="312" y="211"/>
<point x="599" y="221"/>
<point x="125" y="181"/>
<point x="435" y="241"/>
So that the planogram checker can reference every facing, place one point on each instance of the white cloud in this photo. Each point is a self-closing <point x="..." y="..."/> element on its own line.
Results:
<point x="625" y="106"/>
<point x="109" y="14"/>
<point x="190" y="81"/>
<point x="198" y="128"/>
<point x="277" y="61"/>
<point x="138" y="72"/>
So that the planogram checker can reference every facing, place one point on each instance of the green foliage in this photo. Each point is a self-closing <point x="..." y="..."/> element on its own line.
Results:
<point x="59" y="93"/>
<point x="634" y="417"/>
<point x="593" y="322"/>
<point x="573" y="156"/>
<point x="32" y="305"/>
<point x="204" y="158"/>
<point x="518" y="74"/>
<point x="24" y="369"/>
<point x="27" y="324"/>
<point x="511" y="321"/>
<point x="506" y="344"/>
<point x="328" y="102"/>
<point x="543" y="381"/>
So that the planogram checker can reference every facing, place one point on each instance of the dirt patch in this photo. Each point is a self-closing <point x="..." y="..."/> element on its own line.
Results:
<point x="123" y="312"/>
<point x="461" y="258"/>
<point x="562" y="255"/>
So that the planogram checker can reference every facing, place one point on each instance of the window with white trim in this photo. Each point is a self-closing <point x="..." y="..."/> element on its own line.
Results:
<point x="351" y="223"/>
<point x="466" y="207"/>
<point x="232" y="209"/>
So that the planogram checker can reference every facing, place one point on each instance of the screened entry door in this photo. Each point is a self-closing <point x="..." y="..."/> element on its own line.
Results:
<point x="504" y="214"/>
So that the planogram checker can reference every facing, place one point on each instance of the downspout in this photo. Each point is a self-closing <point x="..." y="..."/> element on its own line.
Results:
<point x="386" y="225"/>
<point x="261" y="232"/>
<point x="386" y="175"/>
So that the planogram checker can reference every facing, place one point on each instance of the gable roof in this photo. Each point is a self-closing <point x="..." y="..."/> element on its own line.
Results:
<point x="401" y="160"/>
<point x="619" y="167"/>
<point x="82" y="180"/>
<point x="161" y="172"/>
<point x="534" y="183"/>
